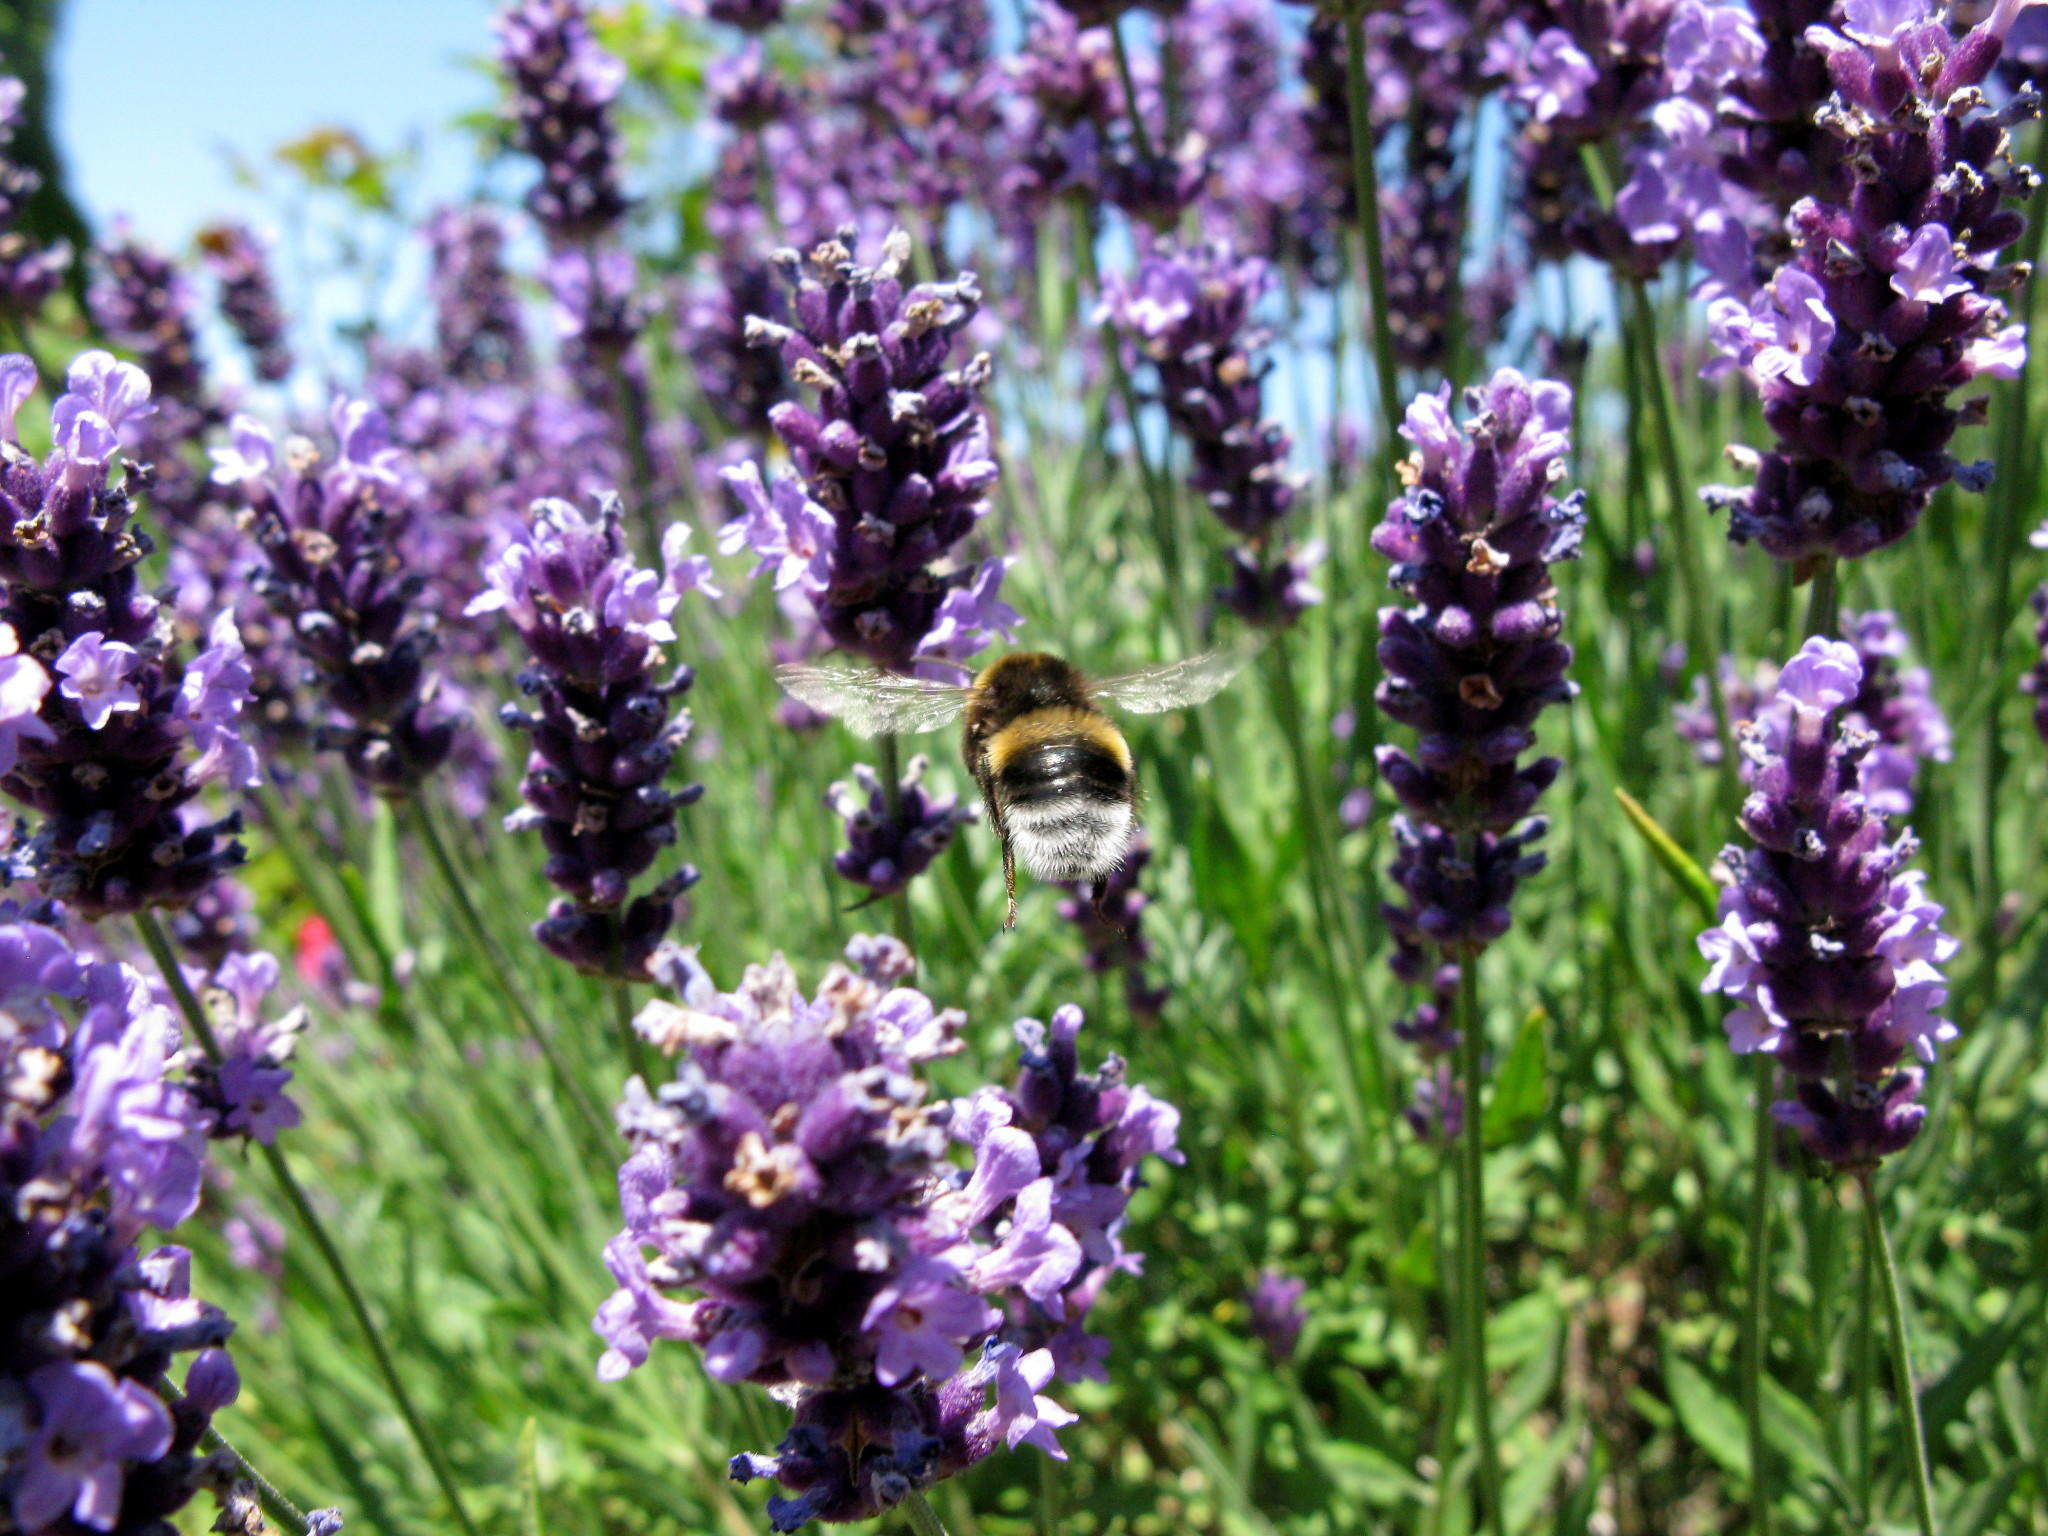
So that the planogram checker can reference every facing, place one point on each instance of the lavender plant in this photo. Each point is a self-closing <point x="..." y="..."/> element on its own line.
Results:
<point x="911" y="1312"/>
<point x="104" y="737"/>
<point x="605" y="728"/>
<point x="248" y="298"/>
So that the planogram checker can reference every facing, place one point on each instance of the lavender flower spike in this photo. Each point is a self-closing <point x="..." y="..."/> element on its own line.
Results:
<point x="1191" y="313"/>
<point x="1826" y="942"/>
<point x="336" y="537"/>
<point x="605" y="728"/>
<point x="1888" y="303"/>
<point x="885" y="853"/>
<point x="248" y="298"/>
<point x="101" y="731"/>
<point x="563" y="86"/>
<point x="893" y="465"/>
<point x="2035" y="682"/>
<point x="99" y="1141"/>
<point x="912" y="1311"/>
<point x="1477" y="657"/>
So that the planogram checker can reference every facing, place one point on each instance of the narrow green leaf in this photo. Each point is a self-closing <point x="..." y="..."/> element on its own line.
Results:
<point x="529" y="1478"/>
<point x="1713" y="1422"/>
<point x="387" y="879"/>
<point x="1692" y="880"/>
<point x="1519" y="1095"/>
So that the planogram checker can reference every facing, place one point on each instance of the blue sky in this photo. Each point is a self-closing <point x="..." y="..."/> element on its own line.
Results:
<point x="151" y="94"/>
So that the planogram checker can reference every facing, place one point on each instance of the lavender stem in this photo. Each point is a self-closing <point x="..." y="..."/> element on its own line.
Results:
<point x="1757" y="1302"/>
<point x="923" y="1518"/>
<point x="1139" y="137"/>
<point x="159" y="946"/>
<point x="1472" y="1244"/>
<point x="892" y="797"/>
<point x="275" y="1504"/>
<point x="1365" y="177"/>
<point x="1902" y="1363"/>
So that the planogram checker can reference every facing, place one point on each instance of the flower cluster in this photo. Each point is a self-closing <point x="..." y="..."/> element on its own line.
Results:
<point x="478" y="333"/>
<point x="333" y="538"/>
<point x="244" y="1091"/>
<point x="248" y="298"/>
<point x="1436" y="1106"/>
<point x="563" y="86"/>
<point x="1191" y="313"/>
<point x="1276" y="1313"/>
<point x="1826" y="941"/>
<point x="604" y="728"/>
<point x="1895" y="706"/>
<point x="1886" y="306"/>
<point x="97" y="1143"/>
<point x="893" y="465"/>
<point x="102" y="733"/>
<point x="1111" y="915"/>
<point x="29" y="271"/>
<point x="1477" y="658"/>
<point x="887" y="849"/>
<point x="794" y="1175"/>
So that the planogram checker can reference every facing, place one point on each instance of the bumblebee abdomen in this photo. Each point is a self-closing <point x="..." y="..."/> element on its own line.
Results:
<point x="1063" y="780"/>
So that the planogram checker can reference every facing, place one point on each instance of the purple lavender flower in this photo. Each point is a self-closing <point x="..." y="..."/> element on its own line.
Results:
<point x="2035" y="683"/>
<point x="747" y="15"/>
<point x="248" y="298"/>
<point x="605" y="729"/>
<point x="884" y="853"/>
<point x="893" y="465"/>
<point x="794" y="1175"/>
<point x="1191" y="313"/>
<point x="1436" y="1107"/>
<point x="739" y="381"/>
<point x="1277" y="1315"/>
<point x="1112" y="929"/>
<point x="29" y="272"/>
<point x="1477" y="658"/>
<point x="478" y="333"/>
<point x="1826" y="942"/>
<point x="1885" y="306"/>
<point x="219" y="922"/>
<point x="563" y="86"/>
<point x="141" y="302"/>
<point x="334" y="539"/>
<point x="98" y="744"/>
<point x="97" y="1142"/>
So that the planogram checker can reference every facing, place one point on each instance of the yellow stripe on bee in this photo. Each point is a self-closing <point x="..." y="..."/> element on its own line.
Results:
<point x="1058" y="723"/>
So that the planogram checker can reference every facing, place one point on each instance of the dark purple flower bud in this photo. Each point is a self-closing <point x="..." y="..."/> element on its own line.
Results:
<point x="1277" y="1314"/>
<point x="563" y="86"/>
<point x="747" y="15"/>
<point x="604" y="725"/>
<point x="887" y="850"/>
<point x="219" y="922"/>
<point x="795" y="1176"/>
<point x="248" y="298"/>
<point x="739" y="381"/>
<point x="747" y="94"/>
<point x="893" y="465"/>
<point x="102" y="732"/>
<point x="1825" y="941"/>
<point x="335" y="539"/>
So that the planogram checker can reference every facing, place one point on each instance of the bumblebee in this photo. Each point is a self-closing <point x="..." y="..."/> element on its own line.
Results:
<point x="1056" y="774"/>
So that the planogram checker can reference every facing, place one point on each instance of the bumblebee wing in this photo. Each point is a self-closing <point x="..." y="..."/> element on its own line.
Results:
<point x="1177" y="684"/>
<point x="874" y="703"/>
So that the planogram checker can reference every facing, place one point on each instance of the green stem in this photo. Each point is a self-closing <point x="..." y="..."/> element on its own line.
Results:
<point x="1366" y="189"/>
<point x="1140" y="139"/>
<point x="923" y="1518"/>
<point x="501" y="969"/>
<point x="275" y="1504"/>
<point x="892" y="798"/>
<point x="1757" y="1318"/>
<point x="1824" y="600"/>
<point x="1453" y="1382"/>
<point x="1866" y="1380"/>
<point x="159" y="947"/>
<point x="1472" y="1238"/>
<point x="1902" y="1362"/>
<point x="631" y="1047"/>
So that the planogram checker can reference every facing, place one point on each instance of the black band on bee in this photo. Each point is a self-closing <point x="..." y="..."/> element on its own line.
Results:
<point x="1057" y="769"/>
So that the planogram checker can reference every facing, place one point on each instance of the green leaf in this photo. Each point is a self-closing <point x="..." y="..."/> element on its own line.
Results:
<point x="1692" y="880"/>
<point x="529" y="1478"/>
<point x="387" y="879"/>
<point x="1714" y="1423"/>
<point x="1794" y="1432"/>
<point x="1368" y="1475"/>
<point x="1519" y="1096"/>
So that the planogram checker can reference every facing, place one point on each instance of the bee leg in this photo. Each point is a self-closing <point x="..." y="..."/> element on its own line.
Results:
<point x="986" y="779"/>
<point x="1009" y="881"/>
